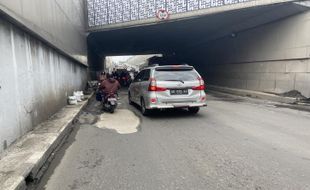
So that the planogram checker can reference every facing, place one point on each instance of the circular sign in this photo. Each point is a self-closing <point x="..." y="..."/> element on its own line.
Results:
<point x="162" y="14"/>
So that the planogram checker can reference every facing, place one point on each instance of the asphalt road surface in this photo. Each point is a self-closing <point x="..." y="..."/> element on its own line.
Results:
<point x="234" y="143"/>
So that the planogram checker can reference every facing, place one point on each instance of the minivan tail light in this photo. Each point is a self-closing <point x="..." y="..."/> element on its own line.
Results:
<point x="201" y="85"/>
<point x="153" y="87"/>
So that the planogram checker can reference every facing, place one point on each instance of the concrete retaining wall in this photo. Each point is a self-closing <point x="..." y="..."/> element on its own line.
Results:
<point x="273" y="58"/>
<point x="35" y="80"/>
<point x="62" y="23"/>
<point x="273" y="76"/>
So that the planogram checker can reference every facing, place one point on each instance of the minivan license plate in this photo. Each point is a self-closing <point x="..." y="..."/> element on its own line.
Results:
<point x="179" y="91"/>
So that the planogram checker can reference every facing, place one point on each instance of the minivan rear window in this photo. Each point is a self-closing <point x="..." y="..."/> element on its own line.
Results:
<point x="175" y="68"/>
<point x="173" y="75"/>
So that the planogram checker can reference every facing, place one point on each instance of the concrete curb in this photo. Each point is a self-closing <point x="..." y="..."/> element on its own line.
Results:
<point x="253" y="94"/>
<point x="296" y="107"/>
<point x="25" y="160"/>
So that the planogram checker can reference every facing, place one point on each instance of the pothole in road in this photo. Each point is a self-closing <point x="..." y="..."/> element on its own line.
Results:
<point x="123" y="121"/>
<point x="88" y="118"/>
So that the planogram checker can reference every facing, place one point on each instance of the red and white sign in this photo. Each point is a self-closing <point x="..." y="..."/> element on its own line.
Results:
<point x="162" y="14"/>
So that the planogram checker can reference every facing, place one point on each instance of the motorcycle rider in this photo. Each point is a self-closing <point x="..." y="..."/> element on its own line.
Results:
<point x="102" y="77"/>
<point x="109" y="86"/>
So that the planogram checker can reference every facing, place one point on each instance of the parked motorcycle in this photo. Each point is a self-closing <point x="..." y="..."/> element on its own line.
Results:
<point x="110" y="102"/>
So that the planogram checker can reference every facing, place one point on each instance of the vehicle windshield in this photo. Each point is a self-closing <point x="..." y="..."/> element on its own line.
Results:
<point x="176" y="75"/>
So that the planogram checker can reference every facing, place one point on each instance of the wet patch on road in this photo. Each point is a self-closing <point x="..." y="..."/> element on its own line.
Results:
<point x="294" y="107"/>
<point x="94" y="107"/>
<point x="216" y="96"/>
<point x="90" y="114"/>
<point x="88" y="118"/>
<point x="233" y="100"/>
<point x="77" y="184"/>
<point x="91" y="165"/>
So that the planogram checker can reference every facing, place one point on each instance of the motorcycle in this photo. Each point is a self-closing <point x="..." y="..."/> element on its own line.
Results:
<point x="110" y="102"/>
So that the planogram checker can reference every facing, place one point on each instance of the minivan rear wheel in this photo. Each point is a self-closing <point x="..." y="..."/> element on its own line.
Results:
<point x="144" y="111"/>
<point x="194" y="110"/>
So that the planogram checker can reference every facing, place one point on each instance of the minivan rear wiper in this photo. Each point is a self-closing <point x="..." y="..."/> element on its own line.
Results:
<point x="177" y="80"/>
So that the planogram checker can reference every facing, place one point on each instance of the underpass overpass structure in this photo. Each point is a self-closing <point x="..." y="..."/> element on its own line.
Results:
<point x="258" y="45"/>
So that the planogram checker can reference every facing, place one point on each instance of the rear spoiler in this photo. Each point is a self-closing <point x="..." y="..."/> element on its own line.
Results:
<point x="175" y="68"/>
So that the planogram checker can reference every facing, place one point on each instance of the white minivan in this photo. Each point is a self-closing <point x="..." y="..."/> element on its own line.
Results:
<point x="170" y="86"/>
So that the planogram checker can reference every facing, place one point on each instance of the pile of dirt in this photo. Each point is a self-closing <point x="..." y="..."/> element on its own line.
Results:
<point x="294" y="94"/>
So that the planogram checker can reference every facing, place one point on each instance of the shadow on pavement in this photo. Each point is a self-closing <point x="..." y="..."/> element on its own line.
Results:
<point x="167" y="113"/>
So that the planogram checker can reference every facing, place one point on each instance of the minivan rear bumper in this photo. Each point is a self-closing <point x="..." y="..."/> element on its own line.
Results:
<point x="176" y="105"/>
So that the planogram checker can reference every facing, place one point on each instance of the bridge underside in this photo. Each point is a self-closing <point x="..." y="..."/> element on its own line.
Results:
<point x="211" y="39"/>
<point x="183" y="35"/>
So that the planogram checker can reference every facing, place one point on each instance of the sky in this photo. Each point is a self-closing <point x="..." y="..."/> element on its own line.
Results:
<point x="120" y="58"/>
